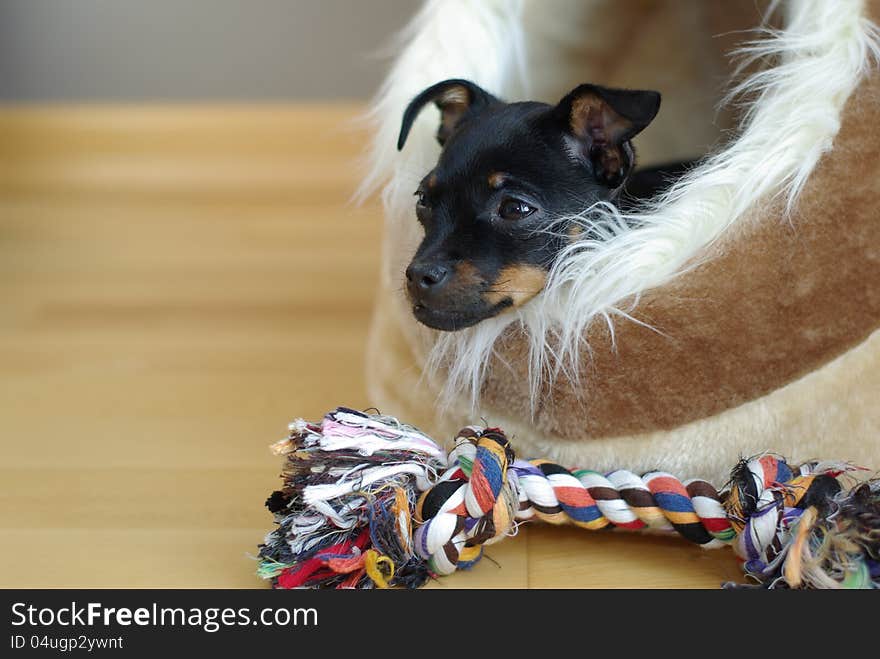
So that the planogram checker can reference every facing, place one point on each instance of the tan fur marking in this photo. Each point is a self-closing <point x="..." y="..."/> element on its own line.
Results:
<point x="432" y="182"/>
<point x="455" y="95"/>
<point x="593" y="117"/>
<point x="453" y="104"/>
<point x="496" y="179"/>
<point x="467" y="275"/>
<point x="520" y="283"/>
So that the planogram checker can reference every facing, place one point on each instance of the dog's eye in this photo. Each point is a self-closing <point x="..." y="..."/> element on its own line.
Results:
<point x="515" y="209"/>
<point x="420" y="198"/>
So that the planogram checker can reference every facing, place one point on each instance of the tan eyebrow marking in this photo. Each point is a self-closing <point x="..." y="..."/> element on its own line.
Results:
<point x="496" y="179"/>
<point x="431" y="182"/>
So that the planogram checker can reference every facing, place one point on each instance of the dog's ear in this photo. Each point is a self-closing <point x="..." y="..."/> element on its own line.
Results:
<point x="455" y="98"/>
<point x="602" y="122"/>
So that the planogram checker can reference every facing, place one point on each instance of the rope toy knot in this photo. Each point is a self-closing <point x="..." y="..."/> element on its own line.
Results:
<point x="471" y="505"/>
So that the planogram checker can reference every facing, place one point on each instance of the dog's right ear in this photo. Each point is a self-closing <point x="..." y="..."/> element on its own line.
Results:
<point x="602" y="122"/>
<point x="455" y="98"/>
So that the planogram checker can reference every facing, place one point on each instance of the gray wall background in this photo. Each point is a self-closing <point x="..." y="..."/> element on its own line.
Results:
<point x="189" y="50"/>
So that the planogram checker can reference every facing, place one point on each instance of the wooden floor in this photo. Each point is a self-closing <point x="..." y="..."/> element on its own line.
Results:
<point x="176" y="284"/>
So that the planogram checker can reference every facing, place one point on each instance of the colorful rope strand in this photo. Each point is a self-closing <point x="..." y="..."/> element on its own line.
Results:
<point x="357" y="485"/>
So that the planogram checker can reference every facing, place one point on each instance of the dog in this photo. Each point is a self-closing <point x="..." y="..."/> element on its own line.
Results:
<point x="507" y="176"/>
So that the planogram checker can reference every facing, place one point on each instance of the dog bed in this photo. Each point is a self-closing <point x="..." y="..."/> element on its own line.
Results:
<point x="738" y="313"/>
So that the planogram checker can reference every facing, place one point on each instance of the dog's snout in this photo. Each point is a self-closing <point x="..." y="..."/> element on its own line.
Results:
<point x="426" y="277"/>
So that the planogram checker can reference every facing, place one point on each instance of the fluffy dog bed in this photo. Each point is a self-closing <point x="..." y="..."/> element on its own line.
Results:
<point x="742" y="315"/>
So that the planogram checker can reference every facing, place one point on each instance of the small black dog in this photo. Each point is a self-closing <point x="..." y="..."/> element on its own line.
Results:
<point x="506" y="175"/>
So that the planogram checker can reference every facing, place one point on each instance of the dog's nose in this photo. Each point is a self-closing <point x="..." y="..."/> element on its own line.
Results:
<point x="426" y="277"/>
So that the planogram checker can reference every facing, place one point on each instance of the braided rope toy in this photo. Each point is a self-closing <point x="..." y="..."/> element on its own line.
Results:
<point x="370" y="502"/>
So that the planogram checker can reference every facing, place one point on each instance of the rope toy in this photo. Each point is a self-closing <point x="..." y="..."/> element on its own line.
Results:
<point x="368" y="501"/>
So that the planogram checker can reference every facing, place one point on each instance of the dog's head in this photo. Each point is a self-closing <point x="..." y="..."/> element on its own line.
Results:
<point x="507" y="174"/>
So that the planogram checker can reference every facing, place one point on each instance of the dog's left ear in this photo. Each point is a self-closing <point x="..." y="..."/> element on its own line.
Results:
<point x="455" y="99"/>
<point x="602" y="122"/>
